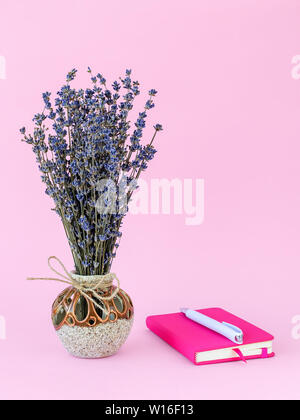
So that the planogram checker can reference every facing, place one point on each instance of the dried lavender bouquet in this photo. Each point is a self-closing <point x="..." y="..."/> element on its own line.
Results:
<point x="90" y="158"/>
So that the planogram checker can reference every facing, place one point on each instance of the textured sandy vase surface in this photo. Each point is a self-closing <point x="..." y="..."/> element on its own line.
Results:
<point x="85" y="330"/>
<point x="94" y="342"/>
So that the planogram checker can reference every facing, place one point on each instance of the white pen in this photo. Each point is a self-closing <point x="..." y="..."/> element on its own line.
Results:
<point x="229" y="331"/>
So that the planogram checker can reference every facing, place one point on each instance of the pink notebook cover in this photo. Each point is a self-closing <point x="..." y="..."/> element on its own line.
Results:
<point x="189" y="338"/>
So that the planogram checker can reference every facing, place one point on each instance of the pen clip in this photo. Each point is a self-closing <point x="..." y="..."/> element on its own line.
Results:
<point x="239" y="333"/>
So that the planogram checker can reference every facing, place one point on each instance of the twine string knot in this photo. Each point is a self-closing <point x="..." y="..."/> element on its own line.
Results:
<point x="85" y="284"/>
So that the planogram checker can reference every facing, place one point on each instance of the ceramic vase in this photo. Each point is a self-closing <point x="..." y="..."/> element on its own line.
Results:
<point x="87" y="331"/>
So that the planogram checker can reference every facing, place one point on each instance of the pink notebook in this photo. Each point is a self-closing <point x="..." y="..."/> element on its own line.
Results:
<point x="203" y="346"/>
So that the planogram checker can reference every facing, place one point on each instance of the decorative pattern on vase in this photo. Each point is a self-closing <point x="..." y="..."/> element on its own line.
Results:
<point x="87" y="331"/>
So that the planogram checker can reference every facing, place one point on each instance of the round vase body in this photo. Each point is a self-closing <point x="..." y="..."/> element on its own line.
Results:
<point x="85" y="330"/>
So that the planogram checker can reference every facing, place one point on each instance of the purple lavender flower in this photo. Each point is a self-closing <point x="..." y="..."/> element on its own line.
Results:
<point x="81" y="139"/>
<point x="152" y="92"/>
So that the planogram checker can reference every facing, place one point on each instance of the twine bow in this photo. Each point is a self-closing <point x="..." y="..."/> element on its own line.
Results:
<point x="84" y="284"/>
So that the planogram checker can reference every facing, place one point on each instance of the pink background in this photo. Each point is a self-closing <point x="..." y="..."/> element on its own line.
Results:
<point x="230" y="109"/>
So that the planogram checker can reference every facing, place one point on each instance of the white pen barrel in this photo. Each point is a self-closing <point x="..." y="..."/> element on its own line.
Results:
<point x="210" y="323"/>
